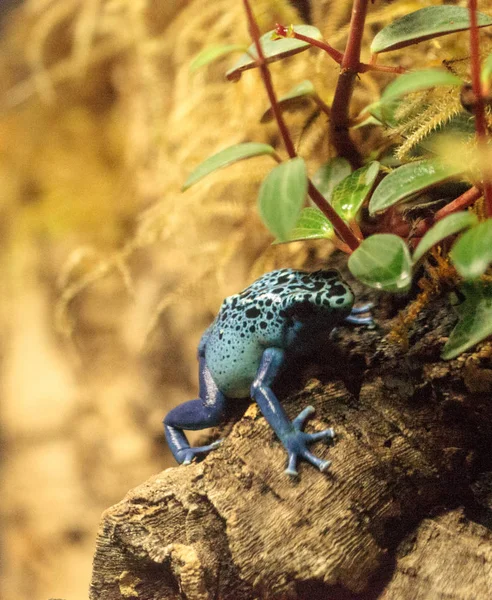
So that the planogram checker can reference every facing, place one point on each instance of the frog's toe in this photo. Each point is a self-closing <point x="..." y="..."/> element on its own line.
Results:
<point x="322" y="465"/>
<point x="326" y="434"/>
<point x="298" y="422"/>
<point x="186" y="455"/>
<point x="292" y="466"/>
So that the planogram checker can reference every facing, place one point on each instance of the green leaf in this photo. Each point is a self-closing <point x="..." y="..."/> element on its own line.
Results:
<point x="329" y="175"/>
<point x="226" y="157"/>
<point x="208" y="55"/>
<point x="424" y="24"/>
<point x="418" y="80"/>
<point x="382" y="261"/>
<point x="311" y="225"/>
<point x="442" y="229"/>
<point x="475" y="319"/>
<point x="472" y="253"/>
<point x="273" y="49"/>
<point x="295" y="98"/>
<point x="410" y="179"/>
<point x="282" y="195"/>
<point x="350" y="194"/>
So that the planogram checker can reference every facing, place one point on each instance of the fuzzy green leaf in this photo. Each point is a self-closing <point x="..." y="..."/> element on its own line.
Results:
<point x="350" y="194"/>
<point x="282" y="195"/>
<point x="442" y="229"/>
<point x="410" y="179"/>
<point x="226" y="157"/>
<point x="294" y="99"/>
<point x="329" y="175"/>
<point x="311" y="225"/>
<point x="472" y="253"/>
<point x="208" y="55"/>
<point x="382" y="261"/>
<point x="273" y="49"/>
<point x="475" y="319"/>
<point x="424" y="24"/>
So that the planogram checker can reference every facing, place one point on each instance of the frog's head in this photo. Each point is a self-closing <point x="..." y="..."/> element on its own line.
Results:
<point x="322" y="298"/>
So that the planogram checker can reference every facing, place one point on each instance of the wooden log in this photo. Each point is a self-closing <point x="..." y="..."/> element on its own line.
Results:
<point x="397" y="516"/>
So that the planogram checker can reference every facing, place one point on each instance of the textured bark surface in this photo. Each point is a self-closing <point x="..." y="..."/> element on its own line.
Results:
<point x="403" y="513"/>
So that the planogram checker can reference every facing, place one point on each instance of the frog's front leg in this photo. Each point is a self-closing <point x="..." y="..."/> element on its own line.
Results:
<point x="294" y="440"/>
<point x="206" y="411"/>
<point x="355" y="319"/>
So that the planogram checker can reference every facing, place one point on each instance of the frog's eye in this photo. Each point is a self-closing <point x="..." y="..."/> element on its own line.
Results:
<point x="329" y="274"/>
<point x="302" y="310"/>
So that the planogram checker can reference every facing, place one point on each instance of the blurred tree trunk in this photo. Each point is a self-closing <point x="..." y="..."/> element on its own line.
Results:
<point x="403" y="513"/>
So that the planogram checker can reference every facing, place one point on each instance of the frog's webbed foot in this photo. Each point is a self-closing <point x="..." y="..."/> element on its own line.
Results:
<point x="185" y="456"/>
<point x="294" y="440"/>
<point x="297" y="442"/>
<point x="355" y="318"/>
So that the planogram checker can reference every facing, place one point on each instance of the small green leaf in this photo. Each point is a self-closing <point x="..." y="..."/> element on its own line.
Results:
<point x="475" y="319"/>
<point x="383" y="112"/>
<point x="472" y="253"/>
<point x="226" y="157"/>
<point x="294" y="99"/>
<point x="442" y="229"/>
<point x="273" y="49"/>
<point x="424" y="24"/>
<point x="329" y="175"/>
<point x="382" y="261"/>
<point x="311" y="225"/>
<point x="410" y="179"/>
<point x="350" y="194"/>
<point x="208" y="55"/>
<point x="418" y="80"/>
<point x="282" y="195"/>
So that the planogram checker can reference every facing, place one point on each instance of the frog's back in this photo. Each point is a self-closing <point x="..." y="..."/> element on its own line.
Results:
<point x="256" y="319"/>
<point x="246" y="324"/>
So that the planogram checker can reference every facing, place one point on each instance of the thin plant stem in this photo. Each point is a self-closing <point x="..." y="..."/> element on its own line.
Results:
<point x="287" y="32"/>
<point x="479" y="107"/>
<point x="460" y="203"/>
<point x="345" y="233"/>
<point x="335" y="54"/>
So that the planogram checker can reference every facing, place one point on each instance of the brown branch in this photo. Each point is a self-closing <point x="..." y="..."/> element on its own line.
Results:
<point x="339" y="123"/>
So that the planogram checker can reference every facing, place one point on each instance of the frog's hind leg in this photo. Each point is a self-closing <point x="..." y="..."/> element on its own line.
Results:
<point x="206" y="411"/>
<point x="294" y="440"/>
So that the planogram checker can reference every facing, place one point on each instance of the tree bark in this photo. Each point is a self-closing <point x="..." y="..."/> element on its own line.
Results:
<point x="403" y="513"/>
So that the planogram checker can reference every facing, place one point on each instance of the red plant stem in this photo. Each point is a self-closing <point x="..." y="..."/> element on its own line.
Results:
<point x="339" y="123"/>
<point x="364" y="67"/>
<point x="344" y="232"/>
<point x="335" y="54"/>
<point x="321" y="105"/>
<point x="479" y="108"/>
<point x="460" y="203"/>
<point x="340" y="227"/>
<point x="267" y="80"/>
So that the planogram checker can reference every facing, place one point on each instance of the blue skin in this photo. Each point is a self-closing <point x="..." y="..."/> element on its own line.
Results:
<point x="241" y="353"/>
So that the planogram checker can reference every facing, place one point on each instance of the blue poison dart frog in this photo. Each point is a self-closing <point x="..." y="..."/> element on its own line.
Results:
<point x="243" y="350"/>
